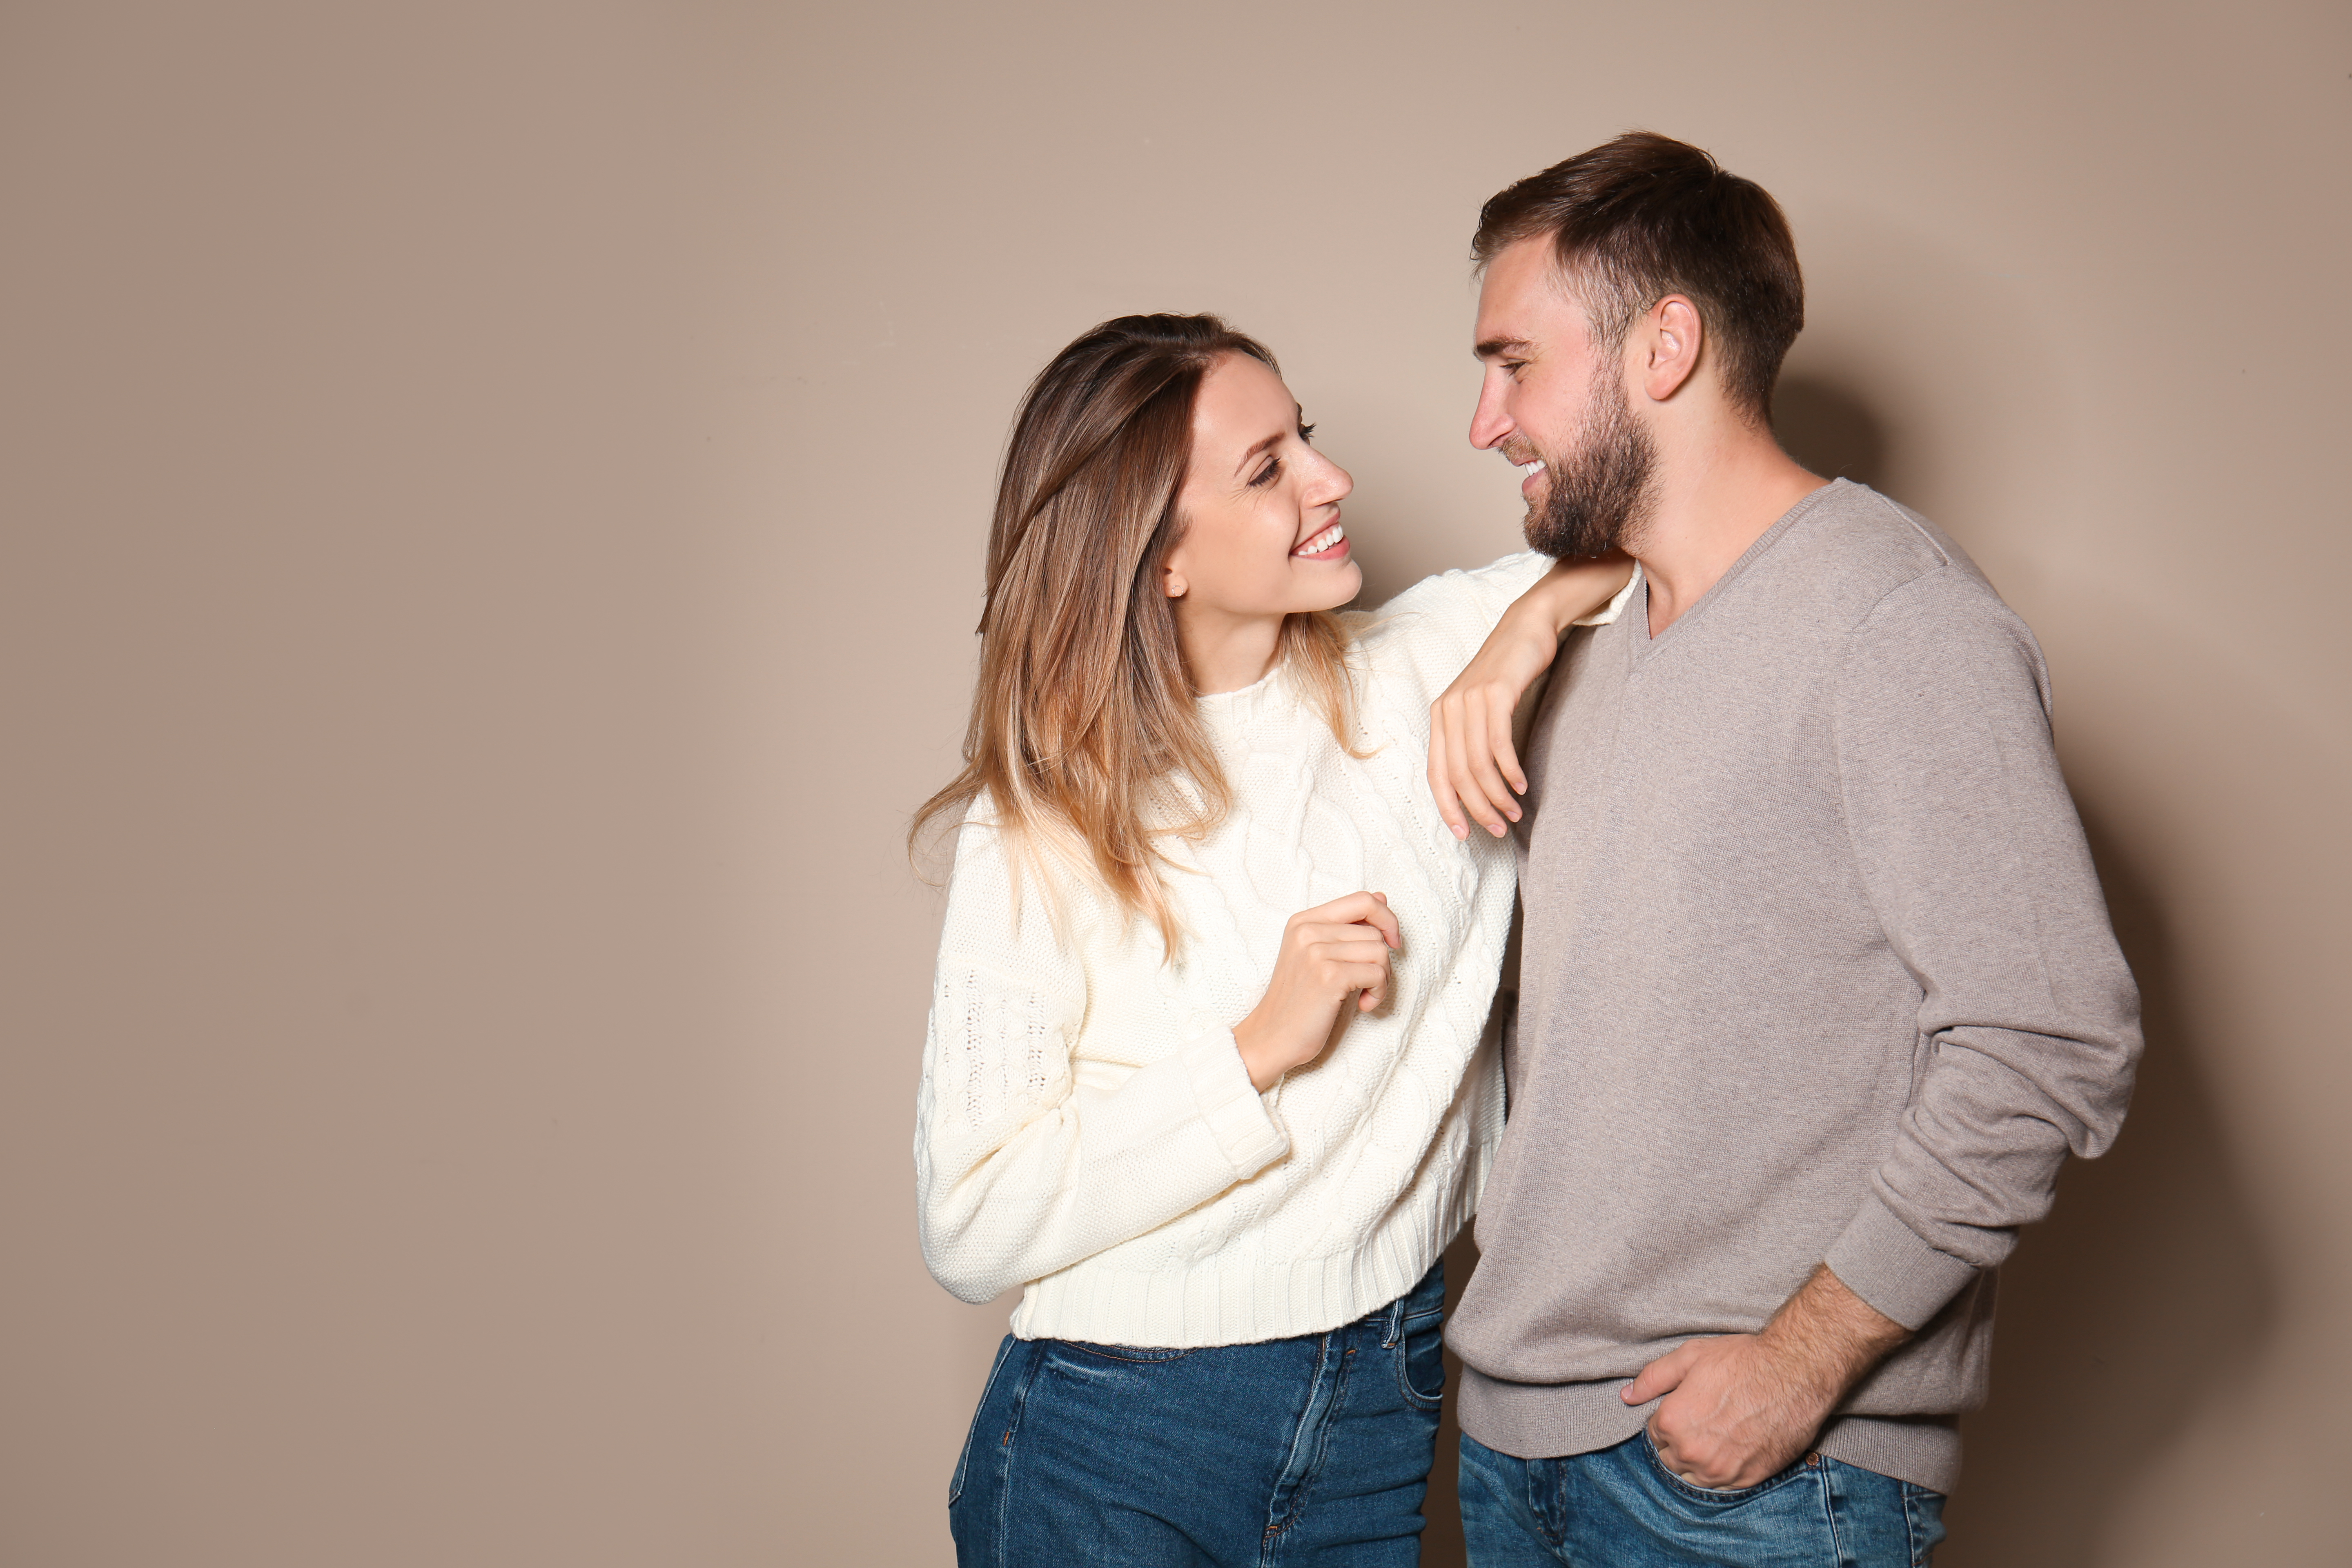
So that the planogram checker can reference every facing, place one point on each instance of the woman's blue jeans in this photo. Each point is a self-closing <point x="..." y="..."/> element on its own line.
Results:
<point x="1313" y="1450"/>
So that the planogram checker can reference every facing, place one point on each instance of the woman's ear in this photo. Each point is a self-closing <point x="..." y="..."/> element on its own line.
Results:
<point x="1174" y="581"/>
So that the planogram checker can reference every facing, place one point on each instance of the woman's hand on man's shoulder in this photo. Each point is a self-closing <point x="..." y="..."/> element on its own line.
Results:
<point x="1473" y="767"/>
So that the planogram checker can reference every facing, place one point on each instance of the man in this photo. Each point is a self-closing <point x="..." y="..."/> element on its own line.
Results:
<point x="1818" y="988"/>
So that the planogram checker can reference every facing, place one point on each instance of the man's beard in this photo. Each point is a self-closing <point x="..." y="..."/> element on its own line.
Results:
<point x="1601" y="495"/>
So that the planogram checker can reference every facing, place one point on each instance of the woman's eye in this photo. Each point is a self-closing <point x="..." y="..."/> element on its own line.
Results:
<point x="1306" y="432"/>
<point x="1266" y="474"/>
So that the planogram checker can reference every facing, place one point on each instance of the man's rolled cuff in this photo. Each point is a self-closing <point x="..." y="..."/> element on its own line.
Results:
<point x="1894" y="1272"/>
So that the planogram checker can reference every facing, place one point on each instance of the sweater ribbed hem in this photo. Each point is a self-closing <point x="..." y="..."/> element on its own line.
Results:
<point x="1557" y="1420"/>
<point x="1236" y="1114"/>
<point x="1885" y="1263"/>
<point x="1238" y="1296"/>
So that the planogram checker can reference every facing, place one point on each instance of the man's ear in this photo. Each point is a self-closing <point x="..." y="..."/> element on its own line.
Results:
<point x="1672" y="337"/>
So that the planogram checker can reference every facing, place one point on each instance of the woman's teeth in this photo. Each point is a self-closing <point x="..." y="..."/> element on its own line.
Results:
<point x="1322" y="542"/>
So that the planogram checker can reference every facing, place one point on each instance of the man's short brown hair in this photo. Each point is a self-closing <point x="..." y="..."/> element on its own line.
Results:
<point x="1644" y="217"/>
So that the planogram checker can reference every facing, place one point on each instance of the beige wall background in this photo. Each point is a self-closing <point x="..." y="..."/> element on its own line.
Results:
<point x="494" y="499"/>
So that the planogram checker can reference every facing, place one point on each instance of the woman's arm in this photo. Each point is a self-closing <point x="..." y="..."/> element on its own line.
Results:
<point x="1474" y="769"/>
<point x="1021" y="1170"/>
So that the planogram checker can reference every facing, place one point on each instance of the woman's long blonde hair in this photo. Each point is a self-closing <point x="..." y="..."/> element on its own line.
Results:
<point x="1083" y="734"/>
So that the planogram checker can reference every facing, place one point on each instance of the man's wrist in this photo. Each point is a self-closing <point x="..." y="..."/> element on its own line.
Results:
<point x="1827" y="1338"/>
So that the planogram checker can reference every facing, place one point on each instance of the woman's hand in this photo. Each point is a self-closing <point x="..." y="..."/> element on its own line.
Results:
<point x="1474" y="769"/>
<point x="1330" y="953"/>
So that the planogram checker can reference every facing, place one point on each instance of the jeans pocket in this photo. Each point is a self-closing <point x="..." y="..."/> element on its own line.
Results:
<point x="1421" y="1361"/>
<point x="1722" y="1496"/>
<point x="963" y="1459"/>
<point x="1922" y="1520"/>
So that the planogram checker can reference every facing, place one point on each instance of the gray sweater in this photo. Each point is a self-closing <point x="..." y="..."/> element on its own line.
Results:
<point x="1816" y="969"/>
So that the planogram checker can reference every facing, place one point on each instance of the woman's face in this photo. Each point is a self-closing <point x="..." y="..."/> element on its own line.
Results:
<point x="1260" y="507"/>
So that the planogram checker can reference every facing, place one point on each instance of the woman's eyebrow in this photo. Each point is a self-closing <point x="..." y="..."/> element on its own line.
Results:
<point x="1264" y="441"/>
<point x="1259" y="445"/>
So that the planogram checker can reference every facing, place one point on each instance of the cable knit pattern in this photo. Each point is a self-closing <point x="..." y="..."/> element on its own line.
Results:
<point x="1085" y="1128"/>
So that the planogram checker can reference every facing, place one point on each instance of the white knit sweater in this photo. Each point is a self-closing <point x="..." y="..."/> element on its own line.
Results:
<point x="1085" y="1128"/>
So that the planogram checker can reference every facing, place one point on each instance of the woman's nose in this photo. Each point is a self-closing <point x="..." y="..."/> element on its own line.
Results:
<point x="1335" y="484"/>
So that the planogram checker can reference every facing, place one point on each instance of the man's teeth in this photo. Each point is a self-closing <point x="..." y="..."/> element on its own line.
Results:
<point x="1532" y="466"/>
<point x="1322" y="542"/>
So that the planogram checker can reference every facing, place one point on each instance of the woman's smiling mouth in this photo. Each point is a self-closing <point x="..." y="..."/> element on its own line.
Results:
<point x="1328" y="545"/>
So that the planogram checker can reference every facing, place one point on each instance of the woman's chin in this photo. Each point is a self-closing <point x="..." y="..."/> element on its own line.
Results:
<point x="1343" y="580"/>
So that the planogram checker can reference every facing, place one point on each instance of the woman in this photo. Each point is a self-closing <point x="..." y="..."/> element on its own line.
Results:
<point x="1204" y="1074"/>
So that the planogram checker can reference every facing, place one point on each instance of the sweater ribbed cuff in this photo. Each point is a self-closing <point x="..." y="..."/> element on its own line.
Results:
<point x="1232" y="1105"/>
<point x="1885" y="1263"/>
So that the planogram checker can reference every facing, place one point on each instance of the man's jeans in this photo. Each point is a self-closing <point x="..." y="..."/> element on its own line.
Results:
<point x="1313" y="1450"/>
<point x="1619" y="1508"/>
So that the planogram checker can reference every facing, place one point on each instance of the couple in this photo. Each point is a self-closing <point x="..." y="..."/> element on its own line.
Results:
<point x="1817" y="994"/>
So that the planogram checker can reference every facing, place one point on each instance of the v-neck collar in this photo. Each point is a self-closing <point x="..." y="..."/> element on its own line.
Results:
<point x="1644" y="643"/>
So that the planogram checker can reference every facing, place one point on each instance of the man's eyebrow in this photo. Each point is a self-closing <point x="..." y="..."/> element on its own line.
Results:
<point x="1492" y="347"/>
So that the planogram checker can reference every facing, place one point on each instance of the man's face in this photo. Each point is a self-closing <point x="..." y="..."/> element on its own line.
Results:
<point x="1554" y="404"/>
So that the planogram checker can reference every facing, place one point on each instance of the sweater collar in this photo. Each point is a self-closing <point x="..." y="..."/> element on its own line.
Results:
<point x="1227" y="711"/>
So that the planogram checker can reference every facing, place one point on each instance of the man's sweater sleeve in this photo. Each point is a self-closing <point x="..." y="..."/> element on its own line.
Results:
<point x="1020" y="1171"/>
<point x="1973" y="859"/>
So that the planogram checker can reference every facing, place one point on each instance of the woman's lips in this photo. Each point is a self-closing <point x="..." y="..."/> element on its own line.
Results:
<point x="1331" y="544"/>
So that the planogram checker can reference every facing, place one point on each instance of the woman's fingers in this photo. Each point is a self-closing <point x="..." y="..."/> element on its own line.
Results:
<point x="1381" y="918"/>
<point x="1351" y="958"/>
<point x="1354" y="944"/>
<point x="1440" y="778"/>
<point x="1474" y="769"/>
<point x="1343" y="948"/>
<point x="1494" y="803"/>
<point x="1470" y="803"/>
<point x="1459" y="769"/>
<point x="1506" y="756"/>
<point x="1361" y="967"/>
<point x="1348" y="944"/>
<point x="1356" y="908"/>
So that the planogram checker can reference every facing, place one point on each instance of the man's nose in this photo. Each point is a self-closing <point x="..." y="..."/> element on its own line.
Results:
<point x="1488" y="422"/>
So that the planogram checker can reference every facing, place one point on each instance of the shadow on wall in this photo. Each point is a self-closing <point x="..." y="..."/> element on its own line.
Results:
<point x="1829" y="430"/>
<point x="2136" y="1303"/>
<point x="2141" y="1299"/>
<point x="2143" y="1296"/>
